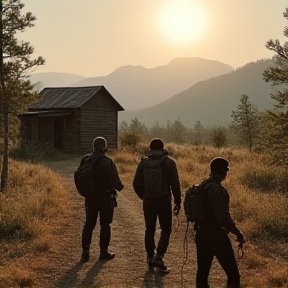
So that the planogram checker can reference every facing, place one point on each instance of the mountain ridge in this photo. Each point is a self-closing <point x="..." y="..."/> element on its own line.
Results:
<point x="210" y="101"/>
<point x="194" y="95"/>
<point x="54" y="79"/>
<point x="136" y="87"/>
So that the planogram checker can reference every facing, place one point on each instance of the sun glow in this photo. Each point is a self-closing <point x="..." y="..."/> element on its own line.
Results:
<point x="182" y="20"/>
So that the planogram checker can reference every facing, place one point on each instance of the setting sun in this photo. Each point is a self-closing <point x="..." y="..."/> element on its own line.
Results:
<point x="182" y="20"/>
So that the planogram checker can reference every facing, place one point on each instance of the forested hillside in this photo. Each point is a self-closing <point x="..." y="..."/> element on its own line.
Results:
<point x="210" y="101"/>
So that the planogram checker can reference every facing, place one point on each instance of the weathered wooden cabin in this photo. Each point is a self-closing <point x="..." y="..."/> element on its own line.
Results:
<point x="70" y="118"/>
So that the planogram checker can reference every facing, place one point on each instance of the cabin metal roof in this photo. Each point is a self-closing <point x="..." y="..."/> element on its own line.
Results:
<point x="68" y="97"/>
<point x="46" y="113"/>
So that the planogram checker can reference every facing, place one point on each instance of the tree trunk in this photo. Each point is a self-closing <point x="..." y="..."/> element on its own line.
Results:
<point x="4" y="172"/>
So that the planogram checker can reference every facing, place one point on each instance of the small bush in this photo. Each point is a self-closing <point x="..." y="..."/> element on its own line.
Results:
<point x="142" y="148"/>
<point x="37" y="153"/>
<point x="129" y="139"/>
<point x="265" y="179"/>
<point x="125" y="158"/>
<point x="219" y="137"/>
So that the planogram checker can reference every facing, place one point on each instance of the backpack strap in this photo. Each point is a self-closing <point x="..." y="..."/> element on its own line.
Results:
<point x="83" y="159"/>
<point x="98" y="159"/>
<point x="206" y="184"/>
<point x="155" y="161"/>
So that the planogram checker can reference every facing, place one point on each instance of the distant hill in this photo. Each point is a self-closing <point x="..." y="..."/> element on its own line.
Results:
<point x="54" y="79"/>
<point x="136" y="87"/>
<point x="210" y="101"/>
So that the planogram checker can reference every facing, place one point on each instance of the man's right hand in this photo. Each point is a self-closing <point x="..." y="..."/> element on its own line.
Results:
<point x="176" y="209"/>
<point x="241" y="238"/>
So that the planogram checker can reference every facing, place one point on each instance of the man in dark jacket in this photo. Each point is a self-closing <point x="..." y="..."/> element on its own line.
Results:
<point x="212" y="234"/>
<point x="160" y="205"/>
<point x="101" y="201"/>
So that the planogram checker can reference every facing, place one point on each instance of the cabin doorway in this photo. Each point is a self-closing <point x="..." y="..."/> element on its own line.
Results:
<point x="58" y="132"/>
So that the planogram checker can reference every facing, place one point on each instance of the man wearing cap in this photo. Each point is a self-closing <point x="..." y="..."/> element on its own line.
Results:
<point x="100" y="202"/>
<point x="160" y="208"/>
<point x="212" y="234"/>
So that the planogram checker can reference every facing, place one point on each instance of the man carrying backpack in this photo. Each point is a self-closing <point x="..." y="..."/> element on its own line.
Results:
<point x="212" y="233"/>
<point x="101" y="200"/>
<point x="155" y="178"/>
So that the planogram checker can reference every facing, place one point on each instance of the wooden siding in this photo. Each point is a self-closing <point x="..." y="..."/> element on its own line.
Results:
<point x="46" y="131"/>
<point x="98" y="121"/>
<point x="72" y="131"/>
<point x="25" y="132"/>
<point x="98" y="116"/>
<point x="35" y="130"/>
<point x="101" y="100"/>
<point x="41" y="130"/>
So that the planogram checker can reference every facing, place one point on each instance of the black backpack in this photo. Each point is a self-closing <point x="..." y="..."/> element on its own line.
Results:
<point x="154" y="178"/>
<point x="83" y="174"/>
<point x="193" y="202"/>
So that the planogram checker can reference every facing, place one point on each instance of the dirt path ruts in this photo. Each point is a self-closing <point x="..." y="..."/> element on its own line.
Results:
<point x="128" y="268"/>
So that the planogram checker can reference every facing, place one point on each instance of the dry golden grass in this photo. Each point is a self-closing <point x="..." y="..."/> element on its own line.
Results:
<point x="17" y="277"/>
<point x="35" y="197"/>
<point x="262" y="215"/>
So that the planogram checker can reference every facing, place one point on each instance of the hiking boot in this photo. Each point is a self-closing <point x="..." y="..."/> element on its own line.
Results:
<point x="84" y="257"/>
<point x="106" y="255"/>
<point x="150" y="259"/>
<point x="158" y="262"/>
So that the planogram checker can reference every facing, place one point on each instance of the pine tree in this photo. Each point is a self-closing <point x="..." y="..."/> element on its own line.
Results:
<point x="245" y="121"/>
<point x="199" y="133"/>
<point x="15" y="66"/>
<point x="178" y="132"/>
<point x="277" y="137"/>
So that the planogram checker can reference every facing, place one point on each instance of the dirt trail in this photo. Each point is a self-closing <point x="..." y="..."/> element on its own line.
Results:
<point x="128" y="268"/>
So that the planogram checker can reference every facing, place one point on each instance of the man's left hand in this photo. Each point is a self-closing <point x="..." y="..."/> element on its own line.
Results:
<point x="176" y="209"/>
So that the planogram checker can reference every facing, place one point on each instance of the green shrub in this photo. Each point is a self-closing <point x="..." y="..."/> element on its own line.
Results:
<point x="265" y="180"/>
<point x="129" y="139"/>
<point x="39" y="152"/>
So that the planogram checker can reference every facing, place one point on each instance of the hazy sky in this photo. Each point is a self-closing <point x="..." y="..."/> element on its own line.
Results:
<point x="95" y="37"/>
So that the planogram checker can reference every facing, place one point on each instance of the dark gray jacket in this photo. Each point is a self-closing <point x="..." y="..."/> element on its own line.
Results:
<point x="216" y="207"/>
<point x="105" y="175"/>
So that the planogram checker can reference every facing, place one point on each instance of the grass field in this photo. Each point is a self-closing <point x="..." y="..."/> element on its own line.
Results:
<point x="258" y="195"/>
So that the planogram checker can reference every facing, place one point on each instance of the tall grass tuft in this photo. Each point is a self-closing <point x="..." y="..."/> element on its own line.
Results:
<point x="17" y="277"/>
<point x="33" y="198"/>
<point x="32" y="195"/>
